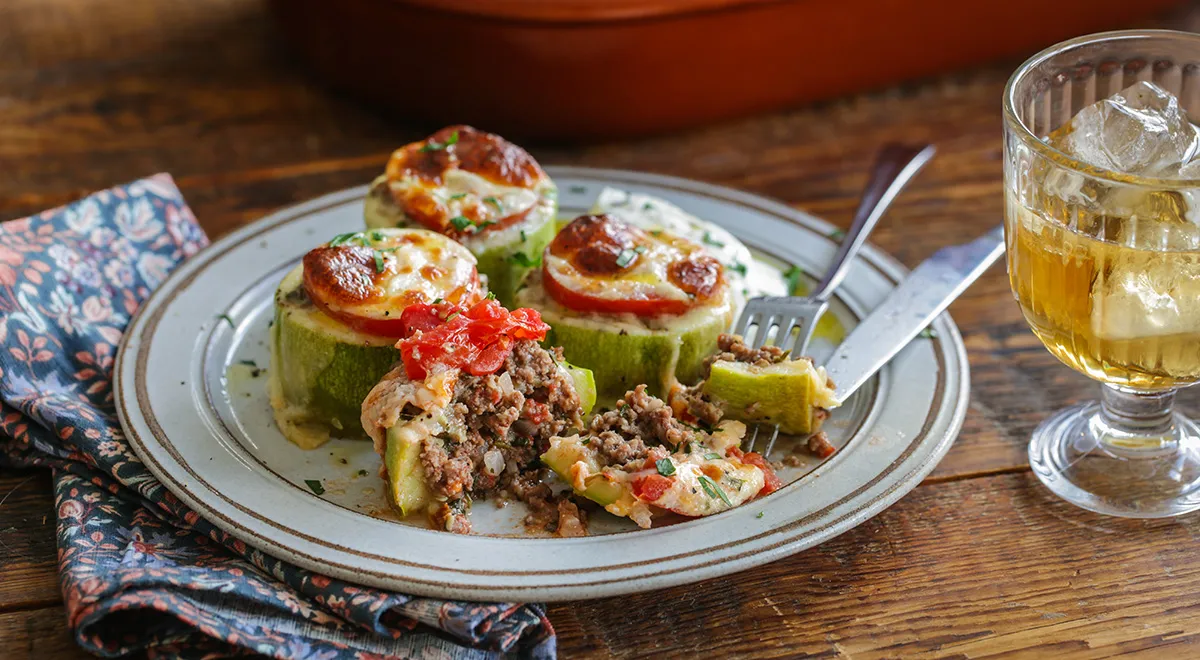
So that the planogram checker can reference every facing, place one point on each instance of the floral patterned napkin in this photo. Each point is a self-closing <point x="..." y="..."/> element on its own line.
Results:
<point x="140" y="571"/>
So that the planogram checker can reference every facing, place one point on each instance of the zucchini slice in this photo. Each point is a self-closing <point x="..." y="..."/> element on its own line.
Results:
<point x="624" y="351"/>
<point x="320" y="369"/>
<point x="787" y="393"/>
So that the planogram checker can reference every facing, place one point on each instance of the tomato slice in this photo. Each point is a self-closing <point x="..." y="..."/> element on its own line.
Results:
<point x="367" y="279"/>
<point x="651" y="487"/>
<point x="598" y="263"/>
<point x="477" y="340"/>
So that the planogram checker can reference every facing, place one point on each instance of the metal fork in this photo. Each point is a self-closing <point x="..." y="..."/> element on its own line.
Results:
<point x="894" y="167"/>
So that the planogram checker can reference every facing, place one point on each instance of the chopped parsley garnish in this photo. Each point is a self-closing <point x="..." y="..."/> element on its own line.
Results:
<point x="837" y="234"/>
<point x="735" y="482"/>
<point x="627" y="256"/>
<point x="665" y="467"/>
<point x="379" y="265"/>
<point x="458" y="196"/>
<point x="522" y="259"/>
<point x="760" y="515"/>
<point x="438" y="146"/>
<point x="225" y="318"/>
<point x="494" y="202"/>
<point x="315" y="486"/>
<point x="647" y="206"/>
<point x="738" y="267"/>
<point x="713" y="490"/>
<point x="656" y="232"/>
<point x="348" y="237"/>
<point x="792" y="276"/>
<point x="585" y="441"/>
<point x="523" y="238"/>
<point x="362" y="473"/>
<point x="248" y="363"/>
<point x="712" y="456"/>
<point x="438" y="301"/>
<point x="451" y="315"/>
<point x="491" y="295"/>
<point x="709" y="240"/>
<point x="578" y="190"/>
<point x="376" y="235"/>
<point x="460" y="222"/>
<point x="928" y="333"/>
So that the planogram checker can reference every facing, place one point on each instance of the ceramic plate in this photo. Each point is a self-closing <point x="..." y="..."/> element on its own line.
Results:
<point x="193" y="403"/>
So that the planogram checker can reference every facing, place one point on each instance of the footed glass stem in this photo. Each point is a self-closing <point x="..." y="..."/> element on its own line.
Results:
<point x="1127" y="455"/>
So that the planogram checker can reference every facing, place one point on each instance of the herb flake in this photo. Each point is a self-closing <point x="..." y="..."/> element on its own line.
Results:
<point x="928" y="333"/>
<point x="315" y="486"/>
<point x="379" y="263"/>
<point x="522" y="259"/>
<point x="494" y="202"/>
<point x="225" y="318"/>
<point x="793" y="276"/>
<point x="712" y="456"/>
<point x="738" y="267"/>
<point x="348" y="237"/>
<point x="458" y="196"/>
<point x="626" y="257"/>
<point x="713" y="490"/>
<point x="460" y="222"/>
<point x="837" y="234"/>
<point x="665" y="467"/>
<point x="709" y="240"/>
<point x="430" y="145"/>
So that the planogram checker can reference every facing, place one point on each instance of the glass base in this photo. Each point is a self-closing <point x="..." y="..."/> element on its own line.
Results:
<point x="1084" y="459"/>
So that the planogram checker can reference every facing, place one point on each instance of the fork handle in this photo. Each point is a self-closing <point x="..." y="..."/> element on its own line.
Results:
<point x="895" y="166"/>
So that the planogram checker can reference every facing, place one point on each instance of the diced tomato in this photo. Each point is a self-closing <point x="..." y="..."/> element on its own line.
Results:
<point x="424" y="317"/>
<point x="651" y="487"/>
<point x="477" y="340"/>
<point x="771" y="482"/>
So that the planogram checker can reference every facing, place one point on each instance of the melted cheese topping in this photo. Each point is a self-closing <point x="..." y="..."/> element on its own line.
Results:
<point x="705" y="480"/>
<point x="379" y="272"/>
<point x="653" y="213"/>
<point x="645" y="277"/>
<point x="462" y="182"/>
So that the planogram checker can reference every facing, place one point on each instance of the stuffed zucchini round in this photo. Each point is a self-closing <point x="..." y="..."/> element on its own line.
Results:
<point x="634" y="306"/>
<point x="336" y="323"/>
<point x="476" y="188"/>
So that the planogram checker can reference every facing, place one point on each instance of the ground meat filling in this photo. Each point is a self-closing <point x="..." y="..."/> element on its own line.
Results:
<point x="623" y="435"/>
<point x="732" y="348"/>
<point x="498" y="424"/>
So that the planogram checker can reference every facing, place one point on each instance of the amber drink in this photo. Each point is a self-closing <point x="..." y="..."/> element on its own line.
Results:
<point x="1102" y="179"/>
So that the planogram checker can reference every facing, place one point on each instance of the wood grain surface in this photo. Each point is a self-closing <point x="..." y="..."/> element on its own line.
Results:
<point x="977" y="562"/>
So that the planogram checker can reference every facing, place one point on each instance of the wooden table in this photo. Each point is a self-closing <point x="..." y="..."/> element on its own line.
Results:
<point x="978" y="561"/>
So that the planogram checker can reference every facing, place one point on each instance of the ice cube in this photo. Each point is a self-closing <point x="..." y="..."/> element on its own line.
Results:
<point x="1146" y="295"/>
<point x="1139" y="130"/>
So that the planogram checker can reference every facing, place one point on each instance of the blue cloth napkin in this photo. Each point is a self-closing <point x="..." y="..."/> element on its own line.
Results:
<point x="140" y="571"/>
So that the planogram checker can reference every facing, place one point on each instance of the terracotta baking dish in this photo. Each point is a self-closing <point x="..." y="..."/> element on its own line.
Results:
<point x="580" y="69"/>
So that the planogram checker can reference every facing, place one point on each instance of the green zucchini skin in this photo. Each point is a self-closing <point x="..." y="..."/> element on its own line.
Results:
<point x="624" y="352"/>
<point x="506" y="256"/>
<point x="321" y="370"/>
